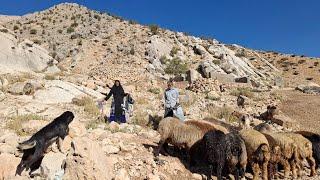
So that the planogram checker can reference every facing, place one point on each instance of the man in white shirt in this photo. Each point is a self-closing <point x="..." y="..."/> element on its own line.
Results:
<point x="172" y="106"/>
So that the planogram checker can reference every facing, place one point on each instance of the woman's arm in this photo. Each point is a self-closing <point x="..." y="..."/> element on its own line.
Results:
<point x="109" y="95"/>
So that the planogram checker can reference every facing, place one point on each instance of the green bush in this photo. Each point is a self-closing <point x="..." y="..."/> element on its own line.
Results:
<point x="176" y="66"/>
<point x="74" y="24"/>
<point x="96" y="16"/>
<point x="33" y="31"/>
<point x="244" y="91"/>
<point x="154" y="29"/>
<point x="155" y="90"/>
<point x="15" y="27"/>
<point x="174" y="51"/>
<point x="59" y="31"/>
<point x="70" y="30"/>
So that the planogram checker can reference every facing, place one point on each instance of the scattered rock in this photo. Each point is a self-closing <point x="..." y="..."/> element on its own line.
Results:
<point x="2" y="96"/>
<point x="310" y="88"/>
<point x="52" y="166"/>
<point x="122" y="175"/>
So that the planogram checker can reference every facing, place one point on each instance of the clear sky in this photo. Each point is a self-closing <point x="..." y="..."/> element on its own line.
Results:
<point x="289" y="26"/>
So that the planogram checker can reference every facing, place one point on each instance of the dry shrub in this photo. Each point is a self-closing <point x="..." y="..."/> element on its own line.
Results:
<point x="244" y="91"/>
<point x="15" y="122"/>
<point x="49" y="77"/>
<point x="140" y="118"/>
<point x="88" y="104"/>
<point x="223" y="112"/>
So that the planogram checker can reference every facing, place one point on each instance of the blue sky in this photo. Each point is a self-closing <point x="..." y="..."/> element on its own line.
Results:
<point x="289" y="26"/>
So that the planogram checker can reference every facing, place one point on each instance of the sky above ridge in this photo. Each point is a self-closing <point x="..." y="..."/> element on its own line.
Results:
<point x="288" y="26"/>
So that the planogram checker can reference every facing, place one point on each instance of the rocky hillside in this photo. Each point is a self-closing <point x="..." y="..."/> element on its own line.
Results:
<point x="62" y="58"/>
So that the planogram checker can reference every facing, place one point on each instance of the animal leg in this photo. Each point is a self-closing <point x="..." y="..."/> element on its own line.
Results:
<point x="59" y="144"/>
<point x="256" y="171"/>
<point x="219" y="171"/>
<point x="286" y="165"/>
<point x="209" y="172"/>
<point x="293" y="168"/>
<point x="20" y="168"/>
<point x="36" y="156"/>
<point x="265" y="170"/>
<point x="312" y="164"/>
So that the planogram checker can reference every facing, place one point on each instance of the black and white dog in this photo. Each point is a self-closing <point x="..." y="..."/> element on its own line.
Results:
<point x="34" y="148"/>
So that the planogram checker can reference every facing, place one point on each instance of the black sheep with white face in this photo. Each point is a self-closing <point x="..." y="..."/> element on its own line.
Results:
<point x="34" y="148"/>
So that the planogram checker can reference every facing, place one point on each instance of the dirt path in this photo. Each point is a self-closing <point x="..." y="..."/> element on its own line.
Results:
<point x="303" y="108"/>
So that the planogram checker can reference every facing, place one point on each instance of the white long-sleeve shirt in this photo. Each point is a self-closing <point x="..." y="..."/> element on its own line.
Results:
<point x="171" y="97"/>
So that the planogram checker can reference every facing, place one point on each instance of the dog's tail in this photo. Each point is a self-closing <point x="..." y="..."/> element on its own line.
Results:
<point x="27" y="144"/>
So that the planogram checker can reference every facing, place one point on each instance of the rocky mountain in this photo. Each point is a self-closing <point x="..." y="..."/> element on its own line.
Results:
<point x="62" y="58"/>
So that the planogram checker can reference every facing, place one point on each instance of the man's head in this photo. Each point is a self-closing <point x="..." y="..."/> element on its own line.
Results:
<point x="170" y="84"/>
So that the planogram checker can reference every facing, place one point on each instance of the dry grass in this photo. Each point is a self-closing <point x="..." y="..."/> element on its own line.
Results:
<point x="140" y="118"/>
<point x="155" y="90"/>
<point x="142" y="100"/>
<point x="15" y="123"/>
<point x="244" y="91"/>
<point x="49" y="77"/>
<point x="223" y="112"/>
<point x="89" y="105"/>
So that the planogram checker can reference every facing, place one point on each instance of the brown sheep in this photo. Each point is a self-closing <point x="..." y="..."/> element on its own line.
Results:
<point x="258" y="152"/>
<point x="315" y="140"/>
<point x="206" y="126"/>
<point x="263" y="127"/>
<point x="183" y="134"/>
<point x="304" y="149"/>
<point x="284" y="152"/>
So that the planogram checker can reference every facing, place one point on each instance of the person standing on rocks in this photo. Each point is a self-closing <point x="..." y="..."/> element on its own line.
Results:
<point x="117" y="113"/>
<point x="172" y="106"/>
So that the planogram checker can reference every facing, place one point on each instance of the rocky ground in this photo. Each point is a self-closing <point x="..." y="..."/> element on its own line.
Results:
<point x="62" y="58"/>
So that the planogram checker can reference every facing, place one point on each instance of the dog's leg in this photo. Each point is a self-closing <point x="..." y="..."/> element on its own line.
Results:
<point x="38" y="153"/>
<point x="59" y="144"/>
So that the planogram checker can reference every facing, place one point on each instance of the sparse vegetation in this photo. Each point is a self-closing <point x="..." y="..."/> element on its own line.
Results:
<point x="176" y="66"/>
<point x="132" y="52"/>
<point x="33" y="31"/>
<point x="140" y="118"/>
<point x="88" y="104"/>
<point x="15" y="27"/>
<point x="37" y="41"/>
<point x="223" y="112"/>
<point x="59" y="31"/>
<point x="49" y="77"/>
<point x="96" y="16"/>
<point x="154" y="29"/>
<point x="301" y="61"/>
<point x="70" y="30"/>
<point x="216" y="61"/>
<point x="244" y="91"/>
<point x="15" y="122"/>
<point x="4" y="30"/>
<point x="174" y="51"/>
<point x="154" y="90"/>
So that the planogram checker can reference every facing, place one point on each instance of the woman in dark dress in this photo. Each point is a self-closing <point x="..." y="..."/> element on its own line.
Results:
<point x="118" y="94"/>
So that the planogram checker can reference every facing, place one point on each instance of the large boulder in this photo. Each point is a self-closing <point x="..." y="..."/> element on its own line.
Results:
<point x="52" y="166"/>
<point x="57" y="91"/>
<point x="157" y="47"/>
<point x="25" y="56"/>
<point x="193" y="75"/>
<point x="87" y="161"/>
<point x="310" y="88"/>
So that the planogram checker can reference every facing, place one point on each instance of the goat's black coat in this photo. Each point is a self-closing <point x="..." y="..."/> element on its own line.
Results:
<point x="34" y="148"/>
<point x="225" y="151"/>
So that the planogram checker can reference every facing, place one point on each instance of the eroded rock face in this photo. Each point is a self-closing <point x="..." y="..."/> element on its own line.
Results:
<point x="23" y="56"/>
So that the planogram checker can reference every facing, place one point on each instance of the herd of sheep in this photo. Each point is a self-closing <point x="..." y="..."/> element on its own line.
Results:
<point x="230" y="151"/>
